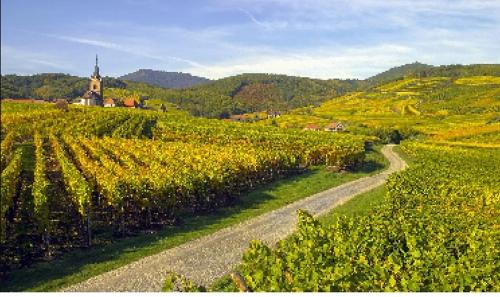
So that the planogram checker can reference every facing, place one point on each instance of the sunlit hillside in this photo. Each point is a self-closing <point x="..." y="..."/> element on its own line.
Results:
<point x="431" y="106"/>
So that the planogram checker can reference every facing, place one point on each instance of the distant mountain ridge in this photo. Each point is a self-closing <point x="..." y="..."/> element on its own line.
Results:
<point x="173" y="80"/>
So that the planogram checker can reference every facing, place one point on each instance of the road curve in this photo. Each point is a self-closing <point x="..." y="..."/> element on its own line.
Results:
<point x="212" y="256"/>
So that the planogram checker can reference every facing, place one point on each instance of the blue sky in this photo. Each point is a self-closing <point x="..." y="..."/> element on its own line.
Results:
<point x="219" y="38"/>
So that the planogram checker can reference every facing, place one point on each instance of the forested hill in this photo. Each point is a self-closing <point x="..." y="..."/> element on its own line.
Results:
<point x="221" y="98"/>
<point x="174" y="80"/>
<point x="238" y="94"/>
<point x="256" y="92"/>
<point x="49" y="85"/>
<point x="462" y="70"/>
<point x="244" y="93"/>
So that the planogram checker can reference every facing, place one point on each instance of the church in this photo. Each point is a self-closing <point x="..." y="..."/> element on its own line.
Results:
<point x="93" y="97"/>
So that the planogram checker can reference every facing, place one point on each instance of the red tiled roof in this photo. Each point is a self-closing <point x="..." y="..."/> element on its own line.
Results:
<point x="129" y="102"/>
<point x="109" y="101"/>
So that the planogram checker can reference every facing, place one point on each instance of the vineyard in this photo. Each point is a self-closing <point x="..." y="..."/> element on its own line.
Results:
<point x="68" y="176"/>
<point x="438" y="230"/>
<point x="412" y="106"/>
<point x="90" y="176"/>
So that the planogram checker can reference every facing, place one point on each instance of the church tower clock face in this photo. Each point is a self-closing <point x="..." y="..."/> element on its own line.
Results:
<point x="95" y="85"/>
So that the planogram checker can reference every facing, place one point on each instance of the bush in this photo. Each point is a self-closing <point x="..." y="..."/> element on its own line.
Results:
<point x="61" y="105"/>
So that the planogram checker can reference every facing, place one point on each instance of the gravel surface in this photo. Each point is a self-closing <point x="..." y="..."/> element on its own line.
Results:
<point x="207" y="258"/>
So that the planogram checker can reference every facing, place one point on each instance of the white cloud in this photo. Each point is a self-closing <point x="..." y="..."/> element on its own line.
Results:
<point x="388" y="34"/>
<point x="323" y="63"/>
<point x="98" y="43"/>
<point x="131" y="49"/>
<point x="266" y="25"/>
<point x="334" y="15"/>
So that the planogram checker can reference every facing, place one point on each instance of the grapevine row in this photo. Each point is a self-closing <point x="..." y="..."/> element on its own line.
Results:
<point x="75" y="182"/>
<point x="41" y="183"/>
<point x="6" y="149"/>
<point x="9" y="188"/>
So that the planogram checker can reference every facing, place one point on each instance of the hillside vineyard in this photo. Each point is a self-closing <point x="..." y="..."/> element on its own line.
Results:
<point x="438" y="226"/>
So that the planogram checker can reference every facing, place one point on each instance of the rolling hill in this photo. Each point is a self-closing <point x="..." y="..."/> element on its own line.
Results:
<point x="176" y="166"/>
<point x="434" y="106"/>
<point x="248" y="93"/>
<point x="258" y="91"/>
<point x="218" y="99"/>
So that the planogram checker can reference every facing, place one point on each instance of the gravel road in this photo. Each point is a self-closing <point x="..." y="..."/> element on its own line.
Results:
<point x="212" y="256"/>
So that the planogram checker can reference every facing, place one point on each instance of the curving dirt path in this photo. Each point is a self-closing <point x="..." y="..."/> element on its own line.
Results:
<point x="212" y="256"/>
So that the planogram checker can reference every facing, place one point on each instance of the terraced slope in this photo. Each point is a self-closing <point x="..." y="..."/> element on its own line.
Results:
<point x="428" y="105"/>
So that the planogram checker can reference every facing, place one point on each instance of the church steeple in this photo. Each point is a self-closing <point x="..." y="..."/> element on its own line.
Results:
<point x="96" y="68"/>
<point x="96" y="86"/>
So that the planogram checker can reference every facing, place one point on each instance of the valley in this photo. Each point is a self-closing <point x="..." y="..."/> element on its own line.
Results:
<point x="136" y="183"/>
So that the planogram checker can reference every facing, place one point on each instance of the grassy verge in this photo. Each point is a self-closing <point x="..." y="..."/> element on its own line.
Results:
<point x="79" y="265"/>
<point x="360" y="205"/>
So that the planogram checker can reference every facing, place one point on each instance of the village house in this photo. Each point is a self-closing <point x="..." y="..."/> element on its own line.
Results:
<point x="335" y="127"/>
<point x="129" y="103"/>
<point x="312" y="127"/>
<point x="109" y="102"/>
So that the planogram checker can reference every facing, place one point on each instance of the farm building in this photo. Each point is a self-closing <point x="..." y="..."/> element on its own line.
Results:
<point x="312" y="127"/>
<point x="335" y="127"/>
<point x="273" y="114"/>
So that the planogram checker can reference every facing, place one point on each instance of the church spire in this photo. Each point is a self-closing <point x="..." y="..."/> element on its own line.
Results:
<point x="96" y="68"/>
